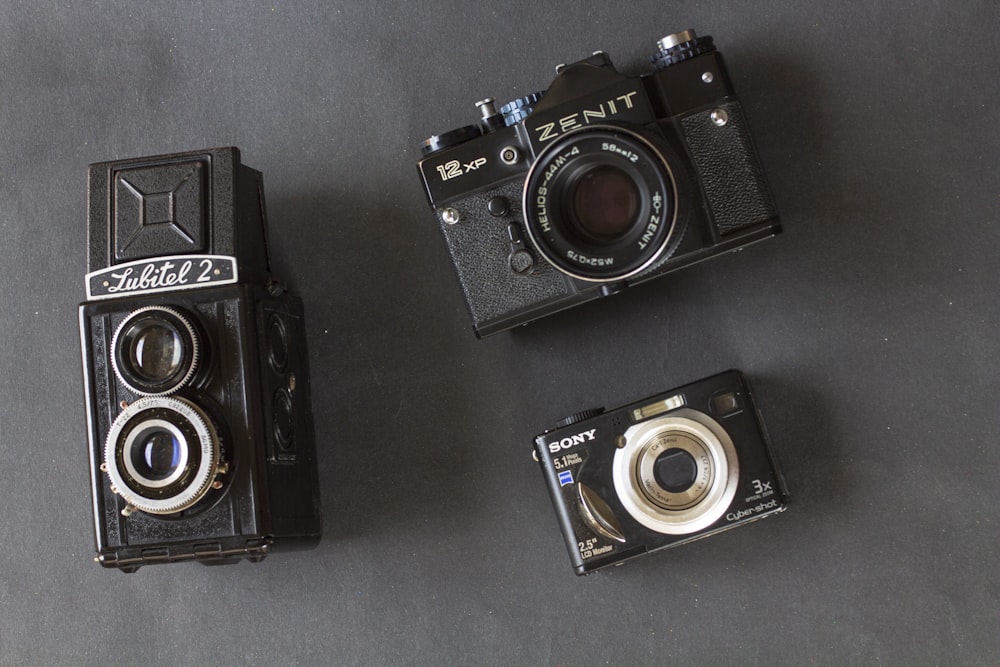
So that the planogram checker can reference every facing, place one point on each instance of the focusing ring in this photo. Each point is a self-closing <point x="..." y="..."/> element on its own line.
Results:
<point x="191" y="351"/>
<point x="550" y="219"/>
<point x="200" y="461"/>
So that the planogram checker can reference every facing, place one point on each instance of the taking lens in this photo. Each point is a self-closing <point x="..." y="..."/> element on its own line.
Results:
<point x="161" y="454"/>
<point x="155" y="350"/>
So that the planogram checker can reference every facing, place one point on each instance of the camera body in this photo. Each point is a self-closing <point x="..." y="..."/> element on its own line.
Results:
<point x="602" y="181"/>
<point x="195" y="368"/>
<point x="669" y="469"/>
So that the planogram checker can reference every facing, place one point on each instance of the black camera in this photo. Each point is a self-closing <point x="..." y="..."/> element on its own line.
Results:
<point x="194" y="366"/>
<point x="601" y="181"/>
<point x="662" y="471"/>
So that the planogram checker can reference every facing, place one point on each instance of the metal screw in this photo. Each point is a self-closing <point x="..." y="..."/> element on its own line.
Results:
<point x="708" y="77"/>
<point x="509" y="155"/>
<point x="450" y="216"/>
<point x="719" y="117"/>
<point x="620" y="441"/>
<point x="216" y="485"/>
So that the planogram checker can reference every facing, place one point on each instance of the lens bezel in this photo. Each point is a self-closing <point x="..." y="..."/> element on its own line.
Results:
<point x="121" y="358"/>
<point x="201" y="460"/>
<point x="699" y="506"/>
<point x="560" y="241"/>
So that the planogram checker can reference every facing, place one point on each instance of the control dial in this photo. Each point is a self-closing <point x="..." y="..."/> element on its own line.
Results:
<point x="579" y="417"/>
<point x="451" y="138"/>
<point x="680" y="46"/>
<point x="517" y="110"/>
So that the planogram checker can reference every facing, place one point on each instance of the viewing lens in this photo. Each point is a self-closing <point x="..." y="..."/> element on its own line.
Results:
<point x="156" y="350"/>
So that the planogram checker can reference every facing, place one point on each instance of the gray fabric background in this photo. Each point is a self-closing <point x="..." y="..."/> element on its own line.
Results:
<point x="868" y="328"/>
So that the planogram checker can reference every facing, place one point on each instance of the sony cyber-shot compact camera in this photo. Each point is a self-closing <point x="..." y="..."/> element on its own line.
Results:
<point x="601" y="181"/>
<point x="194" y="365"/>
<point x="660" y="472"/>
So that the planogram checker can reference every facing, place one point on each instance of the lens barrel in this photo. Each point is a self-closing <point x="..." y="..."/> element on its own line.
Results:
<point x="676" y="474"/>
<point x="600" y="204"/>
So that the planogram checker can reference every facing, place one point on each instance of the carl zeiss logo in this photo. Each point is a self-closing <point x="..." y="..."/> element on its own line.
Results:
<point x="565" y="477"/>
<point x="162" y="274"/>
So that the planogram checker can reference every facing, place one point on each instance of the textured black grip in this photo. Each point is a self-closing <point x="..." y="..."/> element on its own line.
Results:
<point x="729" y="169"/>
<point x="480" y="248"/>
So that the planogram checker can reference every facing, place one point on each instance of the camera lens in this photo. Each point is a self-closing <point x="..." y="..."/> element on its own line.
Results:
<point x="155" y="350"/>
<point x="604" y="203"/>
<point x="162" y="454"/>
<point x="676" y="474"/>
<point x="675" y="470"/>
<point x="600" y="204"/>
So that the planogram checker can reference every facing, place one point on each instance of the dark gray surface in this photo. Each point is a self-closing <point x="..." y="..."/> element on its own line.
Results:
<point x="869" y="328"/>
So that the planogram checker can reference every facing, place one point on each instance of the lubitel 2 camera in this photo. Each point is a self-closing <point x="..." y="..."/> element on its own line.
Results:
<point x="194" y="365"/>
<point x="666" y="470"/>
<point x="601" y="181"/>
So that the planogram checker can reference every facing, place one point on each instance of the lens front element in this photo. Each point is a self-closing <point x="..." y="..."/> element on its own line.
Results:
<point x="155" y="453"/>
<point x="604" y="203"/>
<point x="676" y="474"/>
<point x="155" y="350"/>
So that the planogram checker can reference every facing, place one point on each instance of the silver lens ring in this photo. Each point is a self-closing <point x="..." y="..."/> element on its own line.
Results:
<point x="715" y="479"/>
<point x="196" y="469"/>
<point x="190" y="352"/>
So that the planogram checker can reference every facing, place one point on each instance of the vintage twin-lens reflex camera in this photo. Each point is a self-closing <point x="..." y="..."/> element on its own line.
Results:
<point x="601" y="181"/>
<point x="660" y="472"/>
<point x="194" y="365"/>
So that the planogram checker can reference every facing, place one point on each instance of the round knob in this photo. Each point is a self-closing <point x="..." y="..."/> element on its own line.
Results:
<point x="517" y="110"/>
<point x="451" y="138"/>
<point x="579" y="417"/>
<point x="680" y="46"/>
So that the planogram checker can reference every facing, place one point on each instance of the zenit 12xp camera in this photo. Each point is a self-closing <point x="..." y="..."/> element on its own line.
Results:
<point x="194" y="366"/>
<point x="660" y="472"/>
<point x="601" y="181"/>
